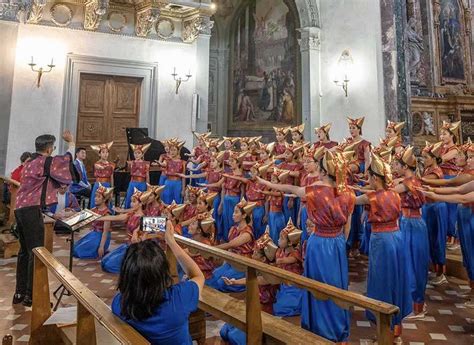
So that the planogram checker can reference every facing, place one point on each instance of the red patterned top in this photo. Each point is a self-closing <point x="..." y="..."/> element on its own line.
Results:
<point x="103" y="169"/>
<point x="98" y="225"/>
<point x="207" y="266"/>
<point x="449" y="167"/>
<point x="251" y="192"/>
<point x="198" y="151"/>
<point x="293" y="166"/>
<point x="175" y="166"/>
<point x="360" y="150"/>
<point x="32" y="179"/>
<point x="213" y="177"/>
<point x="152" y="210"/>
<point x="384" y="210"/>
<point x="189" y="212"/>
<point x="307" y="180"/>
<point x="139" y="168"/>
<point x="231" y="185"/>
<point x="280" y="148"/>
<point x="133" y="223"/>
<point x="245" y="249"/>
<point x="328" y="145"/>
<point x="434" y="171"/>
<point x="296" y="267"/>
<point x="328" y="210"/>
<point x="276" y="202"/>
<point x="412" y="199"/>
<point x="248" y="158"/>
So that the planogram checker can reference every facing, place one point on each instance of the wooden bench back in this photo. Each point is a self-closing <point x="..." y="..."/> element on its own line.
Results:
<point x="89" y="307"/>
<point x="14" y="185"/>
<point x="343" y="298"/>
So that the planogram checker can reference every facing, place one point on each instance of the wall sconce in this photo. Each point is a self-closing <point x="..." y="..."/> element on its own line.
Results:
<point x="344" y="69"/>
<point x="180" y="80"/>
<point x="40" y="70"/>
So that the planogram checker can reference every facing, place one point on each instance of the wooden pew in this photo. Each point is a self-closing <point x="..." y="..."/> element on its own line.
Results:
<point x="14" y="185"/>
<point x="9" y="244"/>
<point x="265" y="328"/>
<point x="91" y="311"/>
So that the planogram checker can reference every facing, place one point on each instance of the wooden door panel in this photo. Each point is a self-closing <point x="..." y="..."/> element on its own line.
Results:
<point x="92" y="95"/>
<point x="125" y="97"/>
<point x="119" y="134"/>
<point x="90" y="129"/>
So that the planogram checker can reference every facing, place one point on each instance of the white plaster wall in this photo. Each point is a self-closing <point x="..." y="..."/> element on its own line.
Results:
<point x="353" y="25"/>
<point x="35" y="111"/>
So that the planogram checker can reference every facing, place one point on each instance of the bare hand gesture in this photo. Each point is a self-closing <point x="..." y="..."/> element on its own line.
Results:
<point x="67" y="136"/>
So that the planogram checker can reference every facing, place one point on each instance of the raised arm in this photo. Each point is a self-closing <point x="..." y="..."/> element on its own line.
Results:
<point x="236" y="242"/>
<point x="286" y="188"/>
<point x="456" y="181"/>
<point x="452" y="198"/>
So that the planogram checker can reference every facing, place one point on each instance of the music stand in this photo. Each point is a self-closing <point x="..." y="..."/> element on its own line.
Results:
<point x="74" y="223"/>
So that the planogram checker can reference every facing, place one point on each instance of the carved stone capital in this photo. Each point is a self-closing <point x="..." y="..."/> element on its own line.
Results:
<point x="192" y="28"/>
<point x="35" y="12"/>
<point x="145" y="18"/>
<point x="10" y="10"/>
<point x="94" y="11"/>
<point x="468" y="17"/>
<point x="436" y="12"/>
<point x="310" y="39"/>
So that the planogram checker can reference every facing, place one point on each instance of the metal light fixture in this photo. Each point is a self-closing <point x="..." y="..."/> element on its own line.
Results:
<point x="344" y="69"/>
<point x="180" y="80"/>
<point x="40" y="70"/>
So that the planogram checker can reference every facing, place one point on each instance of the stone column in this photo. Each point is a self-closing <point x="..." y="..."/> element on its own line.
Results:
<point x="202" y="72"/>
<point x="310" y="44"/>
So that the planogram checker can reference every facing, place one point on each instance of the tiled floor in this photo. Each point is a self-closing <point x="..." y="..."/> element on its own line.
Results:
<point x="448" y="321"/>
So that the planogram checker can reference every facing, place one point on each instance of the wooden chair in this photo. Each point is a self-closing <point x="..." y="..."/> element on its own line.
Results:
<point x="95" y="324"/>
<point x="261" y="327"/>
<point x="7" y="340"/>
<point x="9" y="245"/>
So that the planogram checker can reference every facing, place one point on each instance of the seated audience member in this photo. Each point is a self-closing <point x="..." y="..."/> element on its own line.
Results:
<point x="67" y="205"/>
<point x="15" y="175"/>
<point x="82" y="188"/>
<point x="147" y="298"/>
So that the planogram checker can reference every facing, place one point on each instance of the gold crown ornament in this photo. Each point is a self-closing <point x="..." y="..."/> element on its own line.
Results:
<point x="325" y="128"/>
<point x="232" y="140"/>
<point x="395" y="126"/>
<point x="356" y="122"/>
<point x="407" y="157"/>
<point x="292" y="232"/>
<point x="207" y="197"/>
<point x="206" y="224"/>
<point x="281" y="130"/>
<point x="100" y="147"/>
<point x="468" y="146"/>
<point x="106" y="192"/>
<point x="176" y="209"/>
<point x="299" y="129"/>
<point x="451" y="126"/>
<point x="382" y="168"/>
<point x="433" y="149"/>
<point x="202" y="136"/>
<point x="268" y="148"/>
<point x="281" y="174"/>
<point x="142" y="148"/>
<point x="246" y="206"/>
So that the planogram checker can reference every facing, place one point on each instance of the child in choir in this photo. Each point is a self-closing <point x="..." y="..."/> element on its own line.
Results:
<point x="253" y="194"/>
<point x="388" y="278"/>
<point x="413" y="229"/>
<point x="112" y="261"/>
<point x="288" y="257"/>
<point x="173" y="213"/>
<point x="67" y="204"/>
<point x="310" y="176"/>
<point x="323" y="137"/>
<point x="362" y="152"/>
<point x="265" y="153"/>
<point x="241" y="241"/>
<point x="202" y="208"/>
<point x="326" y="258"/>
<point x="197" y="152"/>
<point x="96" y="243"/>
<point x="393" y="131"/>
<point x="449" y="151"/>
<point x="163" y="158"/>
<point x="280" y="145"/>
<point x="190" y="200"/>
<point x="155" y="206"/>
<point x="229" y="146"/>
<point x="139" y="172"/>
<point x="291" y="204"/>
<point x="201" y="231"/>
<point x="247" y="158"/>
<point x="174" y="185"/>
<point x="264" y="251"/>
<point x="297" y="136"/>
<point x="435" y="215"/>
<point x="103" y="170"/>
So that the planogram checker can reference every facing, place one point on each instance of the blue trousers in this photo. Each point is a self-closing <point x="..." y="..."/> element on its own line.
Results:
<point x="452" y="214"/>
<point x="88" y="246"/>
<point x="112" y="262"/>
<point x="227" y="211"/>
<point x="466" y="238"/>
<point x="141" y="186"/>
<point x="290" y="212"/>
<point x="172" y="192"/>
<point x="227" y="271"/>
<point x="435" y="216"/>
<point x="276" y="222"/>
<point x="257" y="220"/>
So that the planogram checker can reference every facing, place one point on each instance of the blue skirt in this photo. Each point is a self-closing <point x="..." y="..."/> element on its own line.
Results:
<point x="162" y="179"/>
<point x="435" y="216"/>
<point x="388" y="278"/>
<point x="366" y="231"/>
<point x="112" y="262"/>
<point x="276" y="223"/>
<point x="417" y="247"/>
<point x="141" y="186"/>
<point x="94" y="190"/>
<point x="88" y="246"/>
<point x="466" y="238"/>
<point x="227" y="211"/>
<point x="225" y="270"/>
<point x="326" y="262"/>
<point x="452" y="213"/>
<point x="257" y="221"/>
<point x="194" y="181"/>
<point x="233" y="335"/>
<point x="217" y="218"/>
<point x="288" y="301"/>
<point x="290" y="212"/>
<point x="303" y="219"/>
<point x="355" y="233"/>
<point x="172" y="192"/>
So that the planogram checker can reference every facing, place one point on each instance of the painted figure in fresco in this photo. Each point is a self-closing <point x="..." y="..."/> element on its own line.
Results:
<point x="246" y="109"/>
<point x="414" y="47"/>
<point x="451" y="41"/>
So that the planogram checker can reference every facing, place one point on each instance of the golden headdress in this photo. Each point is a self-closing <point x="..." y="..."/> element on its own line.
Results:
<point x="233" y="140"/>
<point x="216" y="143"/>
<point x="407" y="157"/>
<point x="336" y="165"/>
<point x="206" y="224"/>
<point x="207" y="197"/>
<point x="282" y="130"/>
<point x="246" y="206"/>
<point x="281" y="174"/>
<point x="468" y="146"/>
<point x="292" y="232"/>
<point x="325" y="128"/>
<point x="356" y="122"/>
<point x="268" y="148"/>
<point x="314" y="154"/>
<point x="299" y="129"/>
<point x="137" y="194"/>
<point x="433" y="149"/>
<point x="263" y="169"/>
<point x="396" y="126"/>
<point x="255" y="140"/>
<point x="142" y="148"/>
<point x="294" y="148"/>
<point x="266" y="244"/>
<point x="98" y="148"/>
<point x="202" y="136"/>
<point x="238" y="156"/>
<point x="382" y="168"/>
<point x="451" y="126"/>
<point x="176" y="142"/>
<point x="105" y="191"/>
<point x="193" y="190"/>
<point x="176" y="209"/>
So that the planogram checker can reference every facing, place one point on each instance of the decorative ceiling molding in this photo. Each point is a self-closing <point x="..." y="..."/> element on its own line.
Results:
<point x="147" y="15"/>
<point x="94" y="11"/>
<point x="192" y="28"/>
<point x="35" y="13"/>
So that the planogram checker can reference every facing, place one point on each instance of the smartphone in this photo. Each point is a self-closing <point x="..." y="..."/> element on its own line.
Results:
<point x="153" y="224"/>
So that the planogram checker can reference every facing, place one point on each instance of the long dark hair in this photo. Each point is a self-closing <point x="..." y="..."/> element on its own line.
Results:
<point x="144" y="278"/>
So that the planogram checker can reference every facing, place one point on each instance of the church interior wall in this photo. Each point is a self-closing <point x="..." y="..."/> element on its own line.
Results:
<point x="38" y="110"/>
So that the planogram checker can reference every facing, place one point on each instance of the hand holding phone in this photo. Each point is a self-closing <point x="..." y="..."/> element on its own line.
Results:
<point x="153" y="224"/>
